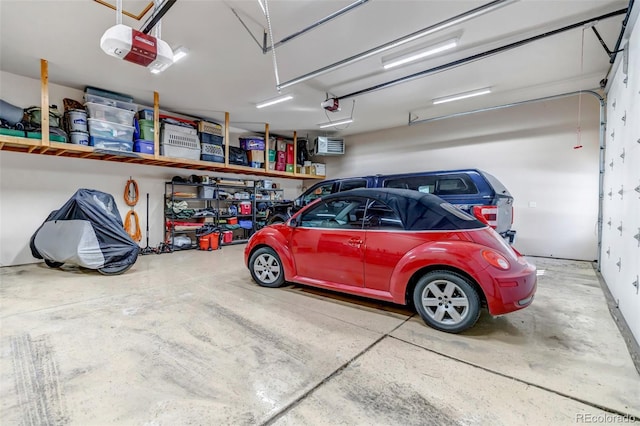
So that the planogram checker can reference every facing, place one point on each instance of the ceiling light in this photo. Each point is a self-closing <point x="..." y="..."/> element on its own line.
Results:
<point x="419" y="54"/>
<point x="463" y="95"/>
<point x="179" y="53"/>
<point x="264" y="12"/>
<point x="274" y="101"/>
<point x="336" y="123"/>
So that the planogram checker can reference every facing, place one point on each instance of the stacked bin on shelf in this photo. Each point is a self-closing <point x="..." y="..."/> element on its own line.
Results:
<point x="179" y="141"/>
<point x="212" y="141"/>
<point x="110" y="121"/>
<point x="255" y="149"/>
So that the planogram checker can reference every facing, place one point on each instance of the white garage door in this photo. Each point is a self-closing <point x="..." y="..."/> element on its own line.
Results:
<point x="620" y="251"/>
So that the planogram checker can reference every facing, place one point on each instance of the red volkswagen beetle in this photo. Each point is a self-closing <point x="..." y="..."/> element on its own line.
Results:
<point x="400" y="246"/>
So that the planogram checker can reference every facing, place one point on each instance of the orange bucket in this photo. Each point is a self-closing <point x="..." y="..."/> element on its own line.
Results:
<point x="209" y="241"/>
<point x="214" y="239"/>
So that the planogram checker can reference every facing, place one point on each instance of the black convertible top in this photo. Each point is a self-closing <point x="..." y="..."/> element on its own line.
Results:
<point x="418" y="211"/>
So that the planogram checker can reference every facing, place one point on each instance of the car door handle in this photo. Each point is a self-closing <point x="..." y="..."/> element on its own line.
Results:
<point x="355" y="242"/>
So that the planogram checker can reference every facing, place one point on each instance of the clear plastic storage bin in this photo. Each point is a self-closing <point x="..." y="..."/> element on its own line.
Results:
<point x="109" y="130"/>
<point x="101" y="100"/>
<point x="109" y="113"/>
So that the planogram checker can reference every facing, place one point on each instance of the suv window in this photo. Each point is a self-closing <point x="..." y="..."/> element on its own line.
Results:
<point x="438" y="185"/>
<point x="352" y="184"/>
<point x="317" y="192"/>
<point x="455" y="184"/>
<point x="426" y="184"/>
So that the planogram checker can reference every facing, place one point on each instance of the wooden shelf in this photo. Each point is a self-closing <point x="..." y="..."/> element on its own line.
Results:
<point x="35" y="146"/>
<point x="45" y="147"/>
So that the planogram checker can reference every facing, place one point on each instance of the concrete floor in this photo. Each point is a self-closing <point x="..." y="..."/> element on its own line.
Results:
<point x="188" y="338"/>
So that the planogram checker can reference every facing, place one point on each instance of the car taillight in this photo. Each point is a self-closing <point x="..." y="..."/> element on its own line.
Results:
<point x="487" y="214"/>
<point x="495" y="259"/>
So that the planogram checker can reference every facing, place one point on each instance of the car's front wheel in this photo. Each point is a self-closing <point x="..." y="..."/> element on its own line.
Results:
<point x="266" y="268"/>
<point x="447" y="301"/>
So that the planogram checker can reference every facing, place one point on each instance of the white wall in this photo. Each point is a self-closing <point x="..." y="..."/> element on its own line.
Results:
<point x="620" y="250"/>
<point x="33" y="185"/>
<point x="529" y="148"/>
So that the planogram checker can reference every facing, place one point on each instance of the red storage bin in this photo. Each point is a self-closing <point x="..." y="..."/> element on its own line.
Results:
<point x="227" y="237"/>
<point x="289" y="153"/>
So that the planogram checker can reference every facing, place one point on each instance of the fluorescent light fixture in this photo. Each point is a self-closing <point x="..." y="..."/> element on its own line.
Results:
<point x="419" y="54"/>
<point x="274" y="101"/>
<point x="264" y="12"/>
<point x="463" y="95"/>
<point x="336" y="123"/>
<point x="179" y="53"/>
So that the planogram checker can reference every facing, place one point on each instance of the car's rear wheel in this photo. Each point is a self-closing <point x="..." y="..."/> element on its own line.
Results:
<point x="266" y="268"/>
<point x="114" y="270"/>
<point x="53" y="264"/>
<point x="447" y="301"/>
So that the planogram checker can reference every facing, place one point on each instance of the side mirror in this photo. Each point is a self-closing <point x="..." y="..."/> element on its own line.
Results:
<point x="297" y="202"/>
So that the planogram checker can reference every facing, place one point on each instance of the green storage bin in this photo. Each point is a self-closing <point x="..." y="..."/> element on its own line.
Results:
<point x="146" y="129"/>
<point x="52" y="137"/>
<point x="12" y="132"/>
<point x="289" y="168"/>
<point x="272" y="155"/>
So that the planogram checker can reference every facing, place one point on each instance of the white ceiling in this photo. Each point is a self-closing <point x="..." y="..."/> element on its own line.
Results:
<point x="227" y="71"/>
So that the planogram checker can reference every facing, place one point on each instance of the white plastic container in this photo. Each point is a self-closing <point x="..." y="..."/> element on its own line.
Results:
<point x="79" y="138"/>
<point x="77" y="120"/>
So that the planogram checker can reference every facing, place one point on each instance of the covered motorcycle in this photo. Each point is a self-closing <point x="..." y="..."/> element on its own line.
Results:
<point x="86" y="231"/>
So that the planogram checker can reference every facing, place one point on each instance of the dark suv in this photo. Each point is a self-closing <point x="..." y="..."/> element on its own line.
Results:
<point x="474" y="191"/>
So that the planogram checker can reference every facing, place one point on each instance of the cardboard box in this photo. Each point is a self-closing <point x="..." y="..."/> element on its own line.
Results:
<point x="281" y="157"/>
<point x="255" y="156"/>
<point x="320" y="169"/>
<point x="289" y="168"/>
<point x="272" y="155"/>
<point x="272" y="166"/>
<point x="281" y="166"/>
<point x="281" y="145"/>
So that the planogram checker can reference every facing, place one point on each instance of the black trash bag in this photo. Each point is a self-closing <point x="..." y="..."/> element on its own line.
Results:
<point x="303" y="152"/>
<point x="86" y="231"/>
<point x="238" y="156"/>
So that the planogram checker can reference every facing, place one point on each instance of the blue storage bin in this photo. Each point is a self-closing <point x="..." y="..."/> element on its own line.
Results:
<point x="110" y="144"/>
<point x="212" y="152"/>
<point x="144" y="147"/>
<point x="209" y="138"/>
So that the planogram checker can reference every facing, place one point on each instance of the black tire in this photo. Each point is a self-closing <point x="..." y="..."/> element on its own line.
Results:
<point x="53" y="264"/>
<point x="277" y="219"/>
<point x="266" y="268"/>
<point x="114" y="270"/>
<point x="447" y="301"/>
